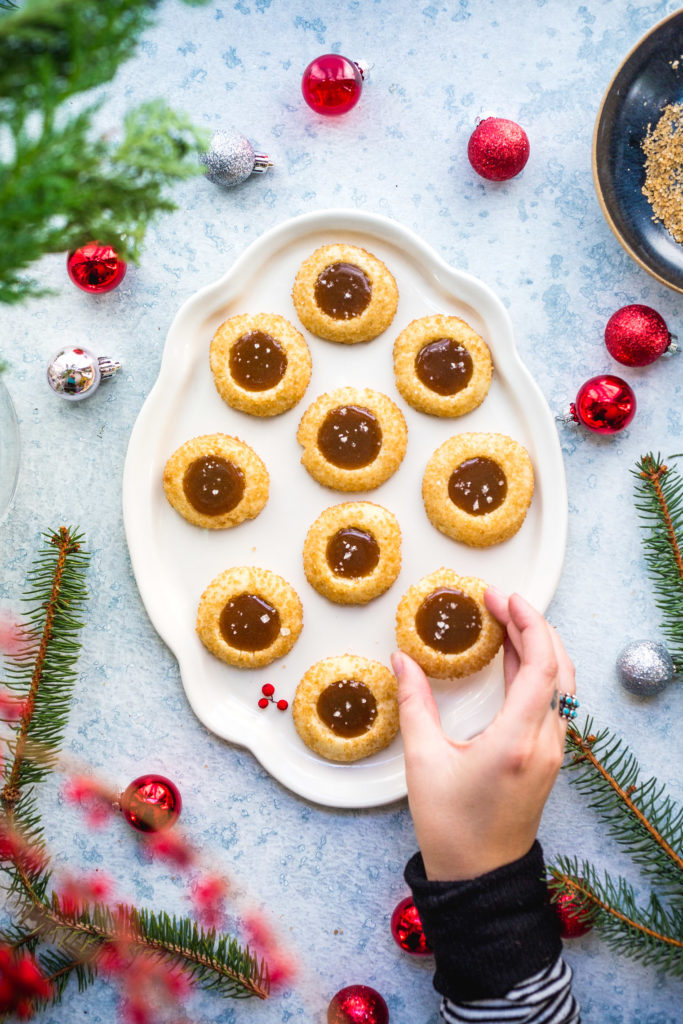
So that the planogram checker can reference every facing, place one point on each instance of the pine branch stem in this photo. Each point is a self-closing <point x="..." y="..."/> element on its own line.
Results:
<point x="588" y="896"/>
<point x="654" y="473"/>
<point x="587" y="752"/>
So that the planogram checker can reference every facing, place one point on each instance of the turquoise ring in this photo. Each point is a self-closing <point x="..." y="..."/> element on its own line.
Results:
<point x="568" y="705"/>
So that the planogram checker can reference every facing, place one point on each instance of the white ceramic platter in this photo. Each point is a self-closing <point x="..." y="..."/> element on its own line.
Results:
<point x="173" y="561"/>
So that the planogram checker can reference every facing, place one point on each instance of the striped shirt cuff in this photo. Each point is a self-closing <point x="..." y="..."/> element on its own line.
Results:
<point x="545" y="998"/>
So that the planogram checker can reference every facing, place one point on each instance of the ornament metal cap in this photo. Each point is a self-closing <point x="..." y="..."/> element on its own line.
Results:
<point x="75" y="373"/>
<point x="230" y="159"/>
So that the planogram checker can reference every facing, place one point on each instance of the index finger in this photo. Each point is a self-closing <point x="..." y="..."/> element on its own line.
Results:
<point x="530" y="692"/>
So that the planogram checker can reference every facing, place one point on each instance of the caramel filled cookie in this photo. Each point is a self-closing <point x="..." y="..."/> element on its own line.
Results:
<point x="216" y="481"/>
<point x="477" y="488"/>
<point x="353" y="439"/>
<point x="443" y="623"/>
<point x="442" y="366"/>
<point x="249" y="617"/>
<point x="352" y="552"/>
<point x="343" y="293"/>
<point x="346" y="708"/>
<point x="260" y="363"/>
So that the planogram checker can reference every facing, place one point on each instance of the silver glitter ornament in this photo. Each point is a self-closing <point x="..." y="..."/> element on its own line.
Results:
<point x="230" y="159"/>
<point x="75" y="373"/>
<point x="645" y="668"/>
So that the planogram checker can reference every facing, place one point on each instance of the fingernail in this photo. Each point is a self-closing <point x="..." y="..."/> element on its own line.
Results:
<point x="495" y="591"/>
<point x="397" y="664"/>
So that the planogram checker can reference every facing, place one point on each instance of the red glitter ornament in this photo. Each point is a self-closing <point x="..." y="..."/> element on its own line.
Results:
<point x="568" y="907"/>
<point x="332" y="84"/>
<point x="605" y="404"/>
<point x="406" y="928"/>
<point x="151" y="803"/>
<point x="498" y="149"/>
<point x="95" y="268"/>
<point x="636" y="335"/>
<point x="357" y="1004"/>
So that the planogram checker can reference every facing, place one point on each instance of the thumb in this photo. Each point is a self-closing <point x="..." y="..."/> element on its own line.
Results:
<point x="417" y="710"/>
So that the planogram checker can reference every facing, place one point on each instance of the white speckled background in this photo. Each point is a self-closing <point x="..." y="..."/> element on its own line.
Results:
<point x="331" y="879"/>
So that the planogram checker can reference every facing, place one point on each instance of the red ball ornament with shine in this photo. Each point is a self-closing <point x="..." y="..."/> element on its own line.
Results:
<point x="498" y="149"/>
<point x="332" y="84"/>
<point x="151" y="803"/>
<point x="357" y="1004"/>
<point x="636" y="335"/>
<point x="406" y="928"/>
<point x="605" y="404"/>
<point x="566" y="909"/>
<point x="95" y="268"/>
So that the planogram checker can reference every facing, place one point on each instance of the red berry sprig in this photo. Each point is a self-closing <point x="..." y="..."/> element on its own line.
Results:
<point x="268" y="690"/>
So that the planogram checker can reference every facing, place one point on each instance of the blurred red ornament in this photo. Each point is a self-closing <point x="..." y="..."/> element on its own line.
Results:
<point x="151" y="803"/>
<point x="406" y="928"/>
<point x="605" y="404"/>
<point x="498" y="149"/>
<point x="636" y="335"/>
<point x="357" y="1004"/>
<point x="568" y="909"/>
<point x="332" y="84"/>
<point x="96" y="268"/>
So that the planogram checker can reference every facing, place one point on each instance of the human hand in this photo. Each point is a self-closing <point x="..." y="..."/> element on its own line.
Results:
<point x="477" y="805"/>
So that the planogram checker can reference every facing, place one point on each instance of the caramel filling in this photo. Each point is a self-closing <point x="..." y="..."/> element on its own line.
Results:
<point x="347" y="707"/>
<point x="448" y="621"/>
<point x="350" y="437"/>
<point x="478" y="486"/>
<point x="444" y="366"/>
<point x="352" y="553"/>
<point x="257" y="361"/>
<point x="249" y="623"/>
<point x="342" y="291"/>
<point x="213" y="485"/>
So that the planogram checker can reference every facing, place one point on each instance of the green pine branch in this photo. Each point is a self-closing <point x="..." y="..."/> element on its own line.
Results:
<point x="659" y="501"/>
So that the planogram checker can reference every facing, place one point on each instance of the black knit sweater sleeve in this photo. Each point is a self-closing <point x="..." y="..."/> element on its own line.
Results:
<point x="487" y="933"/>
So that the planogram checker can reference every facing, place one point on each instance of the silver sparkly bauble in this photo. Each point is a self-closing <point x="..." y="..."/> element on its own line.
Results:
<point x="75" y="373"/>
<point x="230" y="159"/>
<point x="645" y="668"/>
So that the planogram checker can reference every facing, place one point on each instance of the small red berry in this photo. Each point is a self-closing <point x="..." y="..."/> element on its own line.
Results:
<point x="282" y="705"/>
<point x="263" y="702"/>
<point x="268" y="689"/>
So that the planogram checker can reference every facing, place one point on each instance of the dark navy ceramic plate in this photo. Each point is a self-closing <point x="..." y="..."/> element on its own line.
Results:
<point x="650" y="78"/>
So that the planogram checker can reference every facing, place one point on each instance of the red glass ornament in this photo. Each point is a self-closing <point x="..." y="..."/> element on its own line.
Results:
<point x="332" y="84"/>
<point x="151" y="803"/>
<point x="95" y="268"/>
<point x="605" y="404"/>
<point x="498" y="149"/>
<point x="357" y="1004"/>
<point x="636" y="335"/>
<point x="567" y="907"/>
<point x="406" y="928"/>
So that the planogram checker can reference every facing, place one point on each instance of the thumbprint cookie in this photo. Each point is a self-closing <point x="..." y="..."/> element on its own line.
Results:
<point x="353" y="439"/>
<point x="216" y="481"/>
<point x="443" y="623"/>
<point x="352" y="552"/>
<point x="260" y="363"/>
<point x="248" y="617"/>
<point x="477" y="488"/>
<point x="343" y="293"/>
<point x="346" y="708"/>
<point x="442" y="366"/>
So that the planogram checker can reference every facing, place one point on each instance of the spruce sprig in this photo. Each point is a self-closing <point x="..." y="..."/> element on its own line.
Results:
<point x="659" y="501"/>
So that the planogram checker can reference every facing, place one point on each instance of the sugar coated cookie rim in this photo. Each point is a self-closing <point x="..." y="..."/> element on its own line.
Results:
<point x="292" y="386"/>
<point x="416" y="336"/>
<point x="233" y="449"/>
<point x="322" y="674"/>
<point x="368" y="515"/>
<point x="433" y="662"/>
<point x="264" y="583"/>
<point x="389" y="457"/>
<point x="491" y="527"/>
<point x="379" y="312"/>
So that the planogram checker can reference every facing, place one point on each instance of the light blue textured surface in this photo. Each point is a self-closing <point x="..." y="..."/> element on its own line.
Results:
<point x="331" y="879"/>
